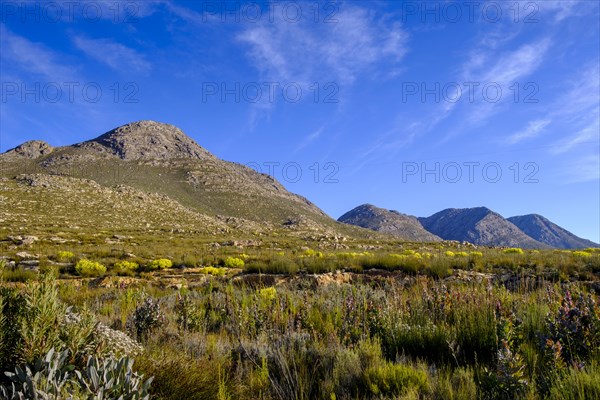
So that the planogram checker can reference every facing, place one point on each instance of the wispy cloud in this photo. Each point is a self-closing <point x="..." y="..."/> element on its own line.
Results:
<point x="486" y="64"/>
<point x="310" y="138"/>
<point x="301" y="51"/>
<point x="33" y="58"/>
<point x="512" y="66"/>
<point x="582" y="97"/>
<point x="560" y="9"/>
<point x="579" y="107"/>
<point x="583" y="169"/>
<point x="582" y="136"/>
<point x="534" y="129"/>
<point x="116" y="55"/>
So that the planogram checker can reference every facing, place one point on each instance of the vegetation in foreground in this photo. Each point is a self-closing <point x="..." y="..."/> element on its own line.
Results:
<point x="412" y="334"/>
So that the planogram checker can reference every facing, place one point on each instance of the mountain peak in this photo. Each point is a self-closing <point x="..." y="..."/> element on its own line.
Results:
<point x="151" y="140"/>
<point x="393" y="222"/>
<point x="541" y="229"/>
<point x="32" y="149"/>
<point x="478" y="225"/>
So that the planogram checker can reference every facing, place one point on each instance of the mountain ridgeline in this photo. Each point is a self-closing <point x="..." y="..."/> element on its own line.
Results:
<point x="479" y="225"/>
<point x="130" y="170"/>
<point x="403" y="226"/>
<point x="545" y="231"/>
<point x="146" y="176"/>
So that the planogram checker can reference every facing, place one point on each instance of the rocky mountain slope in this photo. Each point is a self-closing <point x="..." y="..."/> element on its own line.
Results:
<point x="403" y="226"/>
<point x="545" y="231"/>
<point x="144" y="167"/>
<point x="479" y="226"/>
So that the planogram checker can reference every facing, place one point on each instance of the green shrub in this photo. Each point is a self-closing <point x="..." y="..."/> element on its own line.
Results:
<point x="582" y="254"/>
<point x="126" y="267"/>
<point x="449" y="253"/>
<point x="392" y="262"/>
<point x="160" y="263"/>
<point x="577" y="384"/>
<point x="318" y="265"/>
<point x="39" y="321"/>
<point x="390" y="379"/>
<point x="439" y="269"/>
<point x="179" y="376"/>
<point x="426" y="341"/>
<point x="277" y="265"/>
<point x="89" y="268"/>
<point x="312" y="253"/>
<point x="64" y="256"/>
<point x="215" y="271"/>
<point x="461" y="254"/>
<point x="189" y="316"/>
<point x="476" y="254"/>
<point x="513" y="250"/>
<point x="267" y="294"/>
<point x="458" y="384"/>
<point x="17" y="274"/>
<point x="233" y="262"/>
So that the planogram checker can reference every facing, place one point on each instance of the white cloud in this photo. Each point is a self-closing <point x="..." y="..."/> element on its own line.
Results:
<point x="311" y="138"/>
<point x="34" y="58"/>
<point x="515" y="65"/>
<point x="583" y="97"/>
<point x="579" y="107"/>
<point x="588" y="134"/>
<point x="534" y="128"/>
<point x="116" y="55"/>
<point x="301" y="51"/>
<point x="583" y="169"/>
<point x="558" y="9"/>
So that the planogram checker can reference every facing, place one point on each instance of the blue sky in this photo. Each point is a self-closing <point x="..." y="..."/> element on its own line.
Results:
<point x="408" y="105"/>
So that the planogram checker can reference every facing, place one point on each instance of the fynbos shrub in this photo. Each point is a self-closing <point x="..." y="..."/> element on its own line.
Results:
<point x="64" y="256"/>
<point x="126" y="267"/>
<point x="146" y="318"/>
<point x="513" y="250"/>
<point x="189" y="316"/>
<point x="89" y="268"/>
<point x="161" y="263"/>
<point x="234" y="262"/>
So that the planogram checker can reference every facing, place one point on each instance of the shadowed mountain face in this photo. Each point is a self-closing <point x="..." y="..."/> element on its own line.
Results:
<point x="479" y="226"/>
<point x="157" y="158"/>
<point x="545" y="231"/>
<point x="378" y="219"/>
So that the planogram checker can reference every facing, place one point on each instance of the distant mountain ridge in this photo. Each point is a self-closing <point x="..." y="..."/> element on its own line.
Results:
<point x="545" y="231"/>
<point x="393" y="222"/>
<point x="124" y="176"/>
<point x="478" y="225"/>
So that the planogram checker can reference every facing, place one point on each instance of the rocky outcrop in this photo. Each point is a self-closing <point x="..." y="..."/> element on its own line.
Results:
<point x="32" y="149"/>
<point x="151" y="141"/>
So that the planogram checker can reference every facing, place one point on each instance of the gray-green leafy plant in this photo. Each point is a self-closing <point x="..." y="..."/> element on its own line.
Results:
<point x="111" y="378"/>
<point x="52" y="377"/>
<point x="48" y="378"/>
